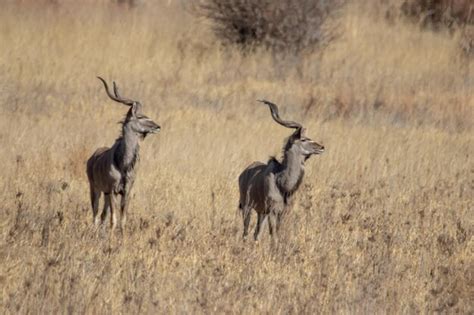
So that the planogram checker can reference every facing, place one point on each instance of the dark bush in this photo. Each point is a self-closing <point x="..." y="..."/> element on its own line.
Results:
<point x="280" y="25"/>
<point x="439" y="13"/>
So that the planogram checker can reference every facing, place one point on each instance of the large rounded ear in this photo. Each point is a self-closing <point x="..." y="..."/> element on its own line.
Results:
<point x="303" y="132"/>
<point x="136" y="108"/>
<point x="299" y="133"/>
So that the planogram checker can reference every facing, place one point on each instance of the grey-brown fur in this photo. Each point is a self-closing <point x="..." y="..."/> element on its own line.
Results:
<point x="268" y="188"/>
<point x="112" y="171"/>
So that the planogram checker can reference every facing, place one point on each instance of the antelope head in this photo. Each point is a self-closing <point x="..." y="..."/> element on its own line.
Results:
<point x="135" y="119"/>
<point x="298" y="142"/>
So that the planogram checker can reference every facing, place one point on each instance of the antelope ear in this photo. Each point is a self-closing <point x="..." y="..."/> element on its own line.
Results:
<point x="136" y="108"/>
<point x="300" y="132"/>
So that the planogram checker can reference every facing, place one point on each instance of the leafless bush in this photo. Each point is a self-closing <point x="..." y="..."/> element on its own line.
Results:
<point x="280" y="25"/>
<point x="467" y="40"/>
<point x="439" y="13"/>
<point x="452" y="15"/>
<point x="129" y="3"/>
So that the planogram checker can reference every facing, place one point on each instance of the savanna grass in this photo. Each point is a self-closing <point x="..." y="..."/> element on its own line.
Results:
<point x="383" y="221"/>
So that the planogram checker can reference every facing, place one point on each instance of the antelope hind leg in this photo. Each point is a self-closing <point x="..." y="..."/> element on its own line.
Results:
<point x="105" y="211"/>
<point x="246" y="214"/>
<point x="260" y="223"/>
<point x="95" y="197"/>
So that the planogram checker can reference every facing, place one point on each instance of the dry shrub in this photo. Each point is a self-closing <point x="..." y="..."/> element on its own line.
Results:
<point x="466" y="41"/>
<point x="437" y="14"/>
<point x="289" y="26"/>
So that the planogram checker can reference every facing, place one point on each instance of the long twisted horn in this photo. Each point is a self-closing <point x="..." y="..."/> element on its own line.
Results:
<point x="116" y="97"/>
<point x="276" y="116"/>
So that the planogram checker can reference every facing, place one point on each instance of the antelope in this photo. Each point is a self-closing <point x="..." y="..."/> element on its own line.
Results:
<point x="269" y="188"/>
<point x="112" y="171"/>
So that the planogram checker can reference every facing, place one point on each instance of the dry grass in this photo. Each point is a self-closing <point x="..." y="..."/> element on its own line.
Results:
<point x="384" y="221"/>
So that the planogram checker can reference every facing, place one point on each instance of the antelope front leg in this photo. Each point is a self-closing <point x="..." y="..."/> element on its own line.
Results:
<point x="271" y="226"/>
<point x="274" y="225"/>
<point x="123" y="210"/>
<point x="279" y="218"/>
<point x="113" y="210"/>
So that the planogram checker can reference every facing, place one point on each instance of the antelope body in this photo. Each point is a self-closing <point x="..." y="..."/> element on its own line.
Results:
<point x="112" y="171"/>
<point x="268" y="188"/>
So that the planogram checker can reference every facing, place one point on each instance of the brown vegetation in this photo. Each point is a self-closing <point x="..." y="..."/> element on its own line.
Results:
<point x="436" y="13"/>
<point x="384" y="219"/>
<point x="282" y="25"/>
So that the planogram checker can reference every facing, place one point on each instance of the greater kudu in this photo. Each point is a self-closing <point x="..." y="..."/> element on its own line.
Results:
<point x="113" y="170"/>
<point x="268" y="188"/>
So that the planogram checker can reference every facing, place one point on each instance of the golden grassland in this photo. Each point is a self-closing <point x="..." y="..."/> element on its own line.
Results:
<point x="383" y="222"/>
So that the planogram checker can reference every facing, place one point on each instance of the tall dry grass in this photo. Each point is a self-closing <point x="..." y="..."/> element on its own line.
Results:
<point x="383" y="222"/>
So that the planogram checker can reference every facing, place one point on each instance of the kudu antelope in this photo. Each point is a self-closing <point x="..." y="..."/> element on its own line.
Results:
<point x="112" y="171"/>
<point x="268" y="188"/>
